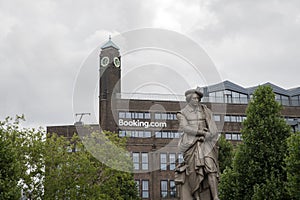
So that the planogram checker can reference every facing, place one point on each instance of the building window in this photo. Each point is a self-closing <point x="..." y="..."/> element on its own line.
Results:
<point x="145" y="188"/>
<point x="165" y="116"/>
<point x="217" y="118"/>
<point x="147" y="115"/>
<point x="228" y="136"/>
<point x="228" y="96"/>
<point x="135" y="133"/>
<point x="163" y="161"/>
<point x="172" y="160"/>
<point x="145" y="161"/>
<point x="233" y="136"/>
<point x="136" y="161"/>
<point x="167" y="134"/>
<point x="180" y="158"/>
<point x="172" y="189"/>
<point x="226" y="118"/>
<point x="137" y="184"/>
<point x="284" y="100"/>
<point x="164" y="189"/>
<point x="134" y="115"/>
<point x="295" y="101"/>
<point x="234" y="118"/>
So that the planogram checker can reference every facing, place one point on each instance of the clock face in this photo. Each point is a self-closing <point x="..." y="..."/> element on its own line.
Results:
<point x="104" y="61"/>
<point x="117" y="62"/>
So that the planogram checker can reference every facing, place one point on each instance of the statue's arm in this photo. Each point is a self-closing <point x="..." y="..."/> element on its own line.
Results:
<point x="186" y="128"/>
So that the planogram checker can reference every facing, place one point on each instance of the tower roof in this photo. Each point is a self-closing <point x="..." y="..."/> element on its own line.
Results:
<point x="110" y="44"/>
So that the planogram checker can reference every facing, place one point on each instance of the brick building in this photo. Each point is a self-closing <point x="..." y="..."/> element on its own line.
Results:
<point x="153" y="132"/>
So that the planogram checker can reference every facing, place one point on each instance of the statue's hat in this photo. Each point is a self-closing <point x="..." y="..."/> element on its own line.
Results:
<point x="197" y="91"/>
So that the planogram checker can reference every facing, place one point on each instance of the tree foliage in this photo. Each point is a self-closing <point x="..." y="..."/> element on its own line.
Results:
<point x="53" y="167"/>
<point x="258" y="166"/>
<point x="10" y="168"/>
<point x="225" y="153"/>
<point x="293" y="165"/>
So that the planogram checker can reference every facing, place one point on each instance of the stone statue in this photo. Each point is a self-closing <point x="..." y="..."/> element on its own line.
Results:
<point x="198" y="175"/>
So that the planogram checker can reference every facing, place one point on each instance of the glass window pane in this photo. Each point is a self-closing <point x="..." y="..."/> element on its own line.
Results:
<point x="234" y="136"/>
<point x="136" y="161"/>
<point x="158" y="134"/>
<point x="163" y="161"/>
<point x="128" y="115"/>
<point x="233" y="118"/>
<point x="137" y="184"/>
<point x="147" y="116"/>
<point x="172" y="159"/>
<point x="172" y="189"/>
<point x="157" y="116"/>
<point x="227" y="118"/>
<point x="164" y="188"/>
<point x="121" y="114"/>
<point x="164" y="134"/>
<point x="180" y="158"/>
<point x="147" y="134"/>
<point x="164" y="116"/>
<point x="217" y="118"/>
<point x="144" y="161"/>
<point x="141" y="115"/>
<point x="145" y="189"/>
<point x="122" y="133"/>
<point x="228" y="136"/>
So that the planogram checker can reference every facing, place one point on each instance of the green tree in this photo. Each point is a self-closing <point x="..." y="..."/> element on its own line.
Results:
<point x="293" y="165"/>
<point x="258" y="166"/>
<point x="61" y="168"/>
<point x="72" y="172"/>
<point x="10" y="168"/>
<point x="225" y="153"/>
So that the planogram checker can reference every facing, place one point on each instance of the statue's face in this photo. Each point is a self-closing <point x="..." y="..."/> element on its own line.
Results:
<point x="195" y="99"/>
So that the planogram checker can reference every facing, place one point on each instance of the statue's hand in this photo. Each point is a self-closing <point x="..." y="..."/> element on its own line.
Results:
<point x="200" y="133"/>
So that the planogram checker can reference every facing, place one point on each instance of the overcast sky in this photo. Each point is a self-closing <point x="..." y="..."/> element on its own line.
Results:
<point x="43" y="44"/>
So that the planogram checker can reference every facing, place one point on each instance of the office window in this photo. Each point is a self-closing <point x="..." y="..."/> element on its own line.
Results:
<point x="228" y="136"/>
<point x="295" y="101"/>
<point x="163" y="161"/>
<point x="217" y="118"/>
<point x="136" y="161"/>
<point x="158" y="134"/>
<point x="226" y="118"/>
<point x="164" y="189"/>
<point x="147" y="134"/>
<point x="172" y="160"/>
<point x="243" y="99"/>
<point x="172" y="189"/>
<point x="137" y="184"/>
<point x="164" y="134"/>
<point x="122" y="115"/>
<point x="239" y="118"/>
<point x="180" y="158"/>
<point x="145" y="161"/>
<point x="220" y="97"/>
<point x="164" y="116"/>
<point x="145" y="188"/>
<point x="147" y="115"/>
<point x="128" y="115"/>
<point x="234" y="136"/>
<point x="157" y="116"/>
<point x="167" y="134"/>
<point x="122" y="133"/>
<point x="233" y="118"/>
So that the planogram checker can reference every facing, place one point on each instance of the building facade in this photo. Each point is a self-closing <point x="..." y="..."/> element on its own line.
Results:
<point x="153" y="132"/>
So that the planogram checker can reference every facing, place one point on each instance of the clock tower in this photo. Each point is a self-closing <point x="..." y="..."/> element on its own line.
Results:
<point x="110" y="85"/>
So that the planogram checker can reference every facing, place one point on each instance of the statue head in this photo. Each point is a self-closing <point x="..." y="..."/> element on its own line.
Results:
<point x="193" y="96"/>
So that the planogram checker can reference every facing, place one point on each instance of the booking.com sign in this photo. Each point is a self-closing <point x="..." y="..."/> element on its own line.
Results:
<point x="153" y="60"/>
